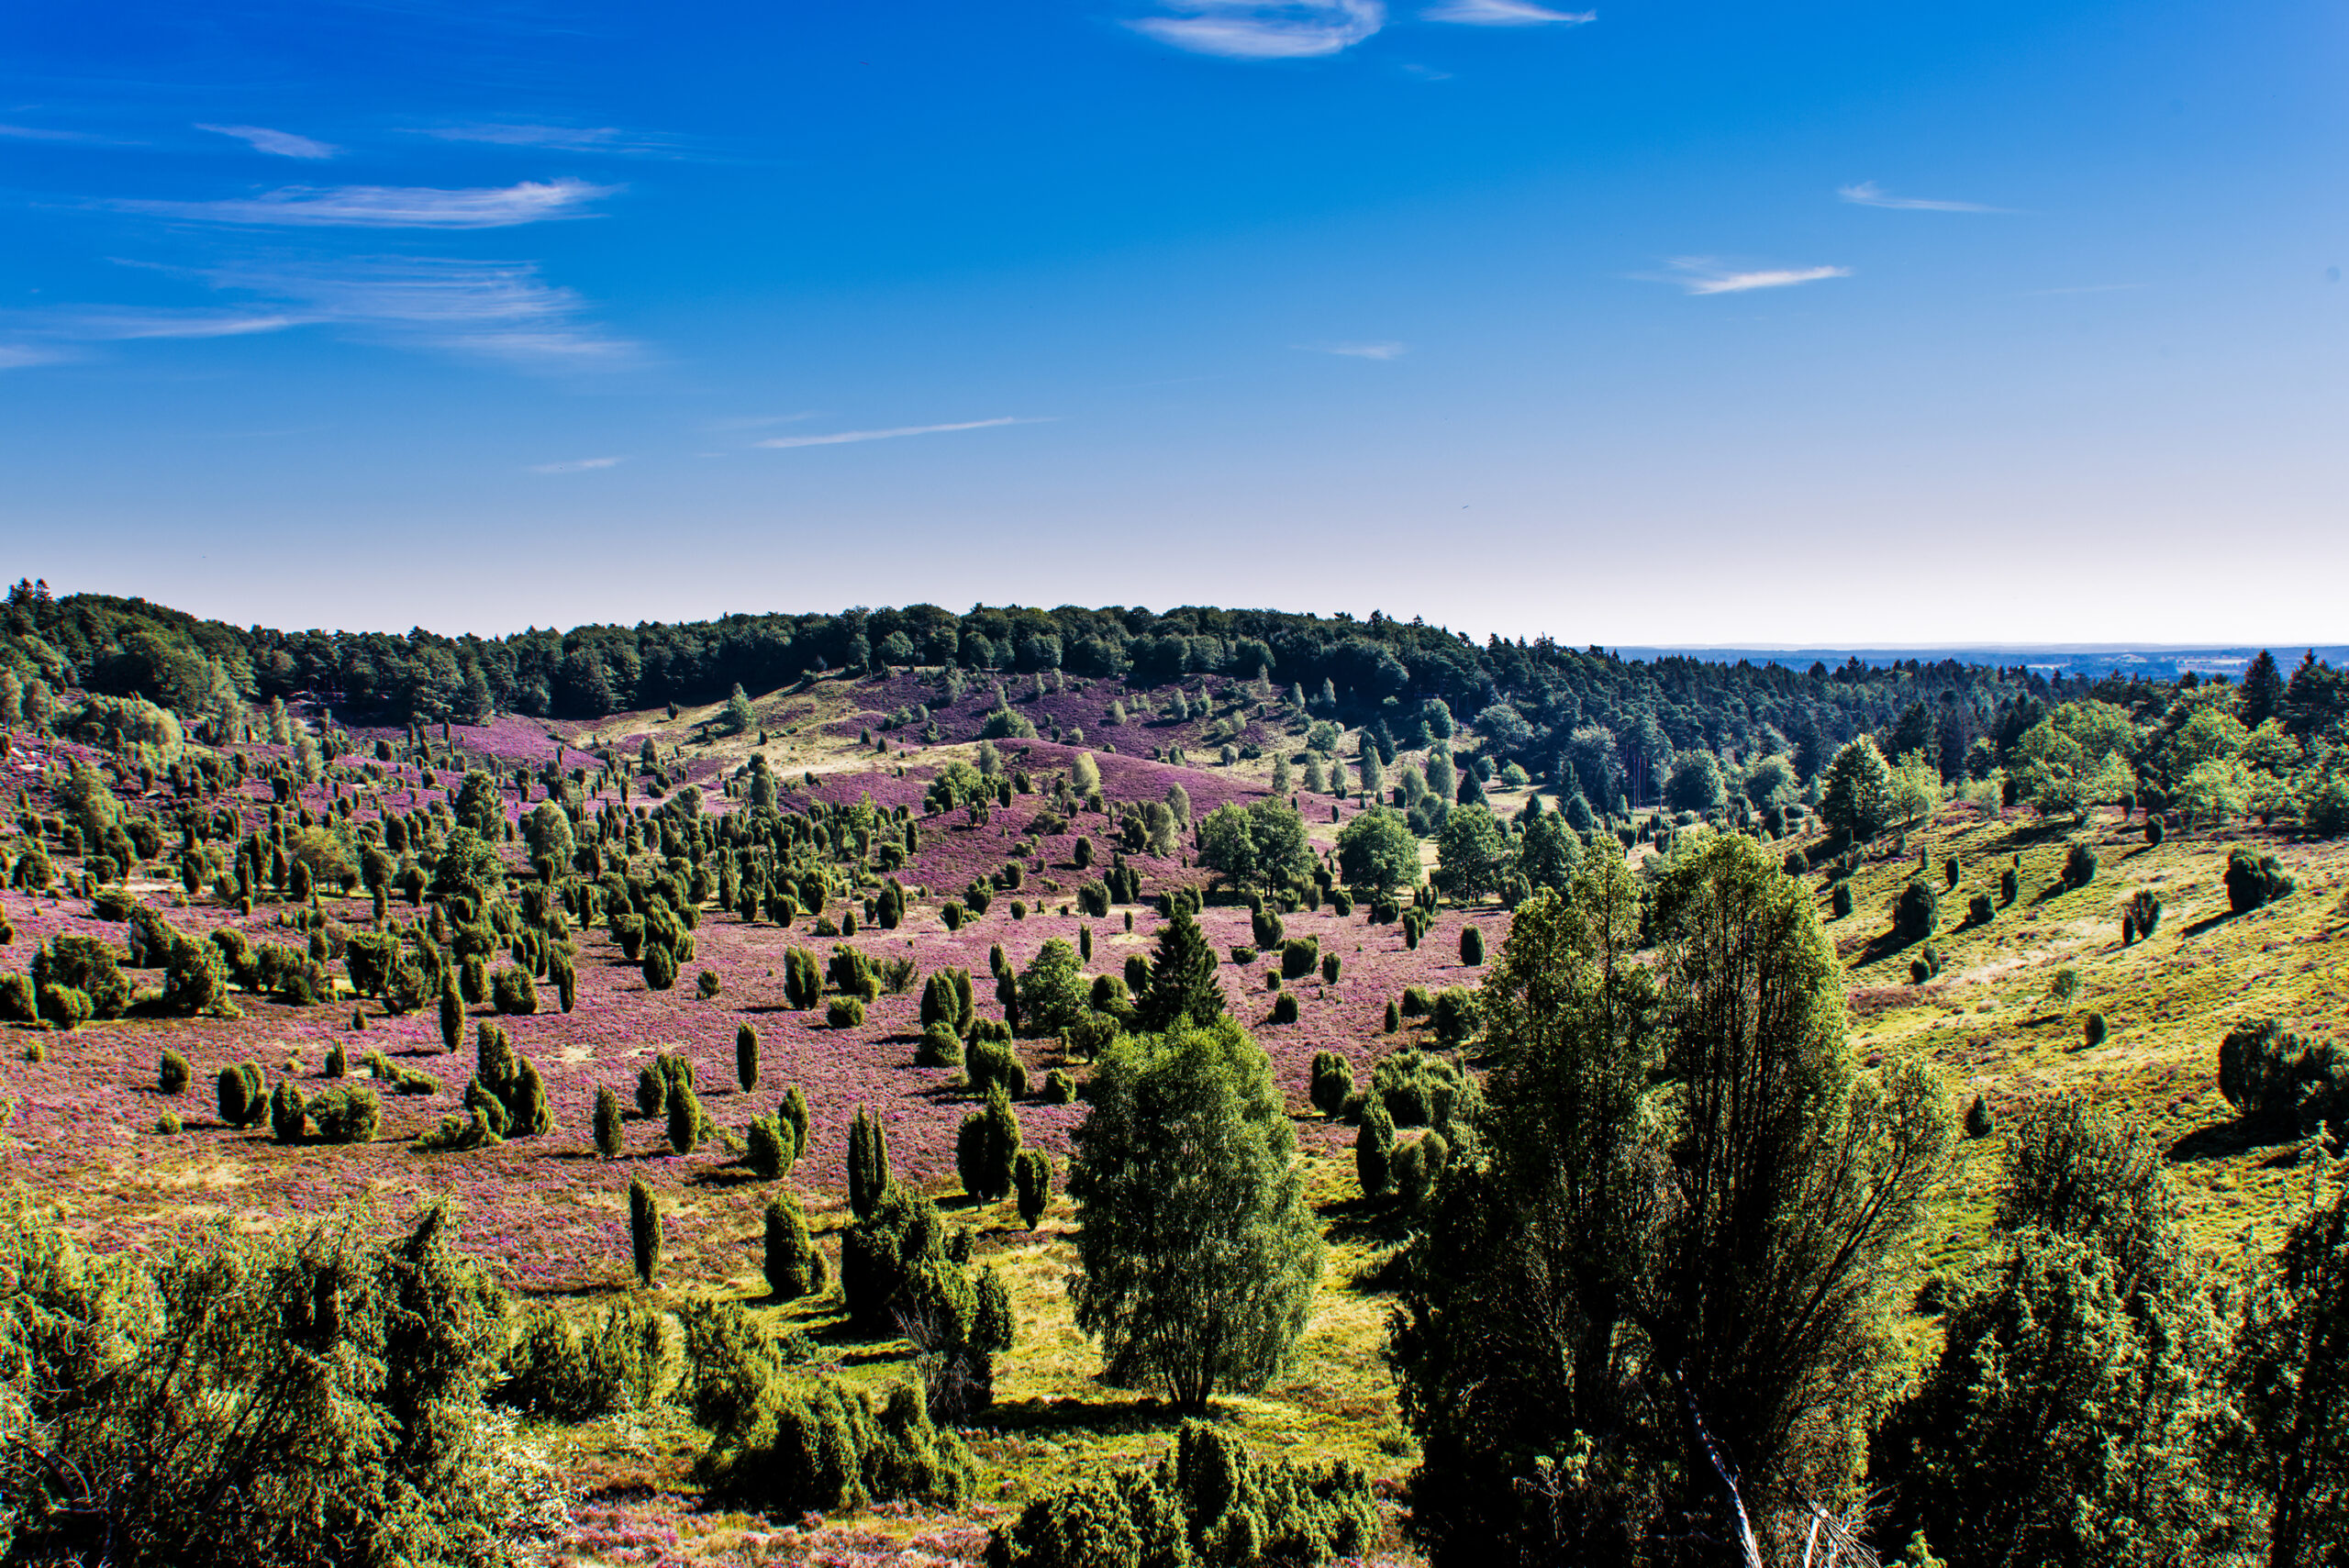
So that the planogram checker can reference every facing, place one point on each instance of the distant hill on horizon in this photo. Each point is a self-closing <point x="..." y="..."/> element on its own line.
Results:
<point x="2158" y="662"/>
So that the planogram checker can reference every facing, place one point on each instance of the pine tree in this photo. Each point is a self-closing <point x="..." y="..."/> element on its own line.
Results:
<point x="792" y="1113"/>
<point x="2261" y="695"/>
<point x="791" y="1261"/>
<point x="644" y="1231"/>
<point x="684" y="1116"/>
<point x="1182" y="986"/>
<point x="2290" y="1379"/>
<point x="868" y="1164"/>
<point x="610" y="1139"/>
<point x="746" y="1058"/>
<point x="527" y="1108"/>
<point x="1031" y="1179"/>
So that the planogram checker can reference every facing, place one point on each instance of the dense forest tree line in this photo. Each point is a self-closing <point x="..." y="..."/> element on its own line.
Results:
<point x="1539" y="700"/>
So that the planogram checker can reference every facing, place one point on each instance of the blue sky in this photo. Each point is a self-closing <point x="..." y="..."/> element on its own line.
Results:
<point x="1645" y="323"/>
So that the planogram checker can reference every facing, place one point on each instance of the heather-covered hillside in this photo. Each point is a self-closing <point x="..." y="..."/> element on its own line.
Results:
<point x="333" y="973"/>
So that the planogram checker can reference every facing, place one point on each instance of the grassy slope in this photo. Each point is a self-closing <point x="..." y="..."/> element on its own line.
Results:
<point x="1990" y="1025"/>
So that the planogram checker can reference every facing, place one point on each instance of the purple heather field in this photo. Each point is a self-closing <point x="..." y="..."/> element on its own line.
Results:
<point x="548" y="1211"/>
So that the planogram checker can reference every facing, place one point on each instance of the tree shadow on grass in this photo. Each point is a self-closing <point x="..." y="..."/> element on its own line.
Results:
<point x="2039" y="832"/>
<point x="725" y="1176"/>
<point x="2208" y="923"/>
<point x="1885" y="945"/>
<point x="1085" y="1412"/>
<point x="1375" y="1221"/>
<point x="2223" y="1140"/>
<point x="598" y="1291"/>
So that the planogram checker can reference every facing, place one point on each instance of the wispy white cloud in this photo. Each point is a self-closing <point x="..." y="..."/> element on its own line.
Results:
<point x="60" y="336"/>
<point x="498" y="310"/>
<point x="558" y="138"/>
<point x="760" y="421"/>
<point x="1867" y="193"/>
<point x="841" y="438"/>
<point x="390" y="206"/>
<point x="1698" y="275"/>
<point x="1380" y="350"/>
<point x="18" y="356"/>
<point x="1502" y="14"/>
<point x="283" y="143"/>
<point x="577" y="465"/>
<point x="42" y="133"/>
<point x="1265" y="30"/>
<point x="127" y="326"/>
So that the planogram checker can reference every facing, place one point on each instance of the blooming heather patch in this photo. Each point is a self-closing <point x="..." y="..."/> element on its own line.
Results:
<point x="547" y="1211"/>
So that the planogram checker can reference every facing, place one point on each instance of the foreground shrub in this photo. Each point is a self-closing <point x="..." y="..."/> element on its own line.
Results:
<point x="1199" y="1257"/>
<point x="1208" y="1501"/>
<point x="643" y="1232"/>
<point x="1333" y="1082"/>
<point x="1416" y="1089"/>
<point x="1299" y="957"/>
<point x="302" y="1398"/>
<point x="1917" y="913"/>
<point x="993" y="1064"/>
<point x="809" y="1444"/>
<point x="1031" y="1179"/>
<point x="893" y="1261"/>
<point x="2283" y="1084"/>
<point x="729" y="1363"/>
<point x="346" y="1114"/>
<point x="85" y="964"/>
<point x="512" y="992"/>
<point x="869" y="1177"/>
<point x="793" y="1267"/>
<point x="985" y="1146"/>
<point x="940" y="1046"/>
<point x="767" y="1148"/>
<point x="2254" y="880"/>
<point x="575" y="1370"/>
<point x="471" y="1130"/>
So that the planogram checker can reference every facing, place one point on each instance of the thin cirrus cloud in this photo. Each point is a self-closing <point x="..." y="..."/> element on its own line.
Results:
<point x="842" y="437"/>
<point x="1503" y="13"/>
<point x="1265" y="30"/>
<point x="42" y="133"/>
<point x="61" y="337"/>
<point x="501" y="311"/>
<point x="1867" y="193"/>
<point x="1698" y="276"/>
<point x="280" y="143"/>
<point x="555" y="138"/>
<point x="389" y="206"/>
<point x="18" y="356"/>
<point x="1377" y="350"/>
<point x="577" y="465"/>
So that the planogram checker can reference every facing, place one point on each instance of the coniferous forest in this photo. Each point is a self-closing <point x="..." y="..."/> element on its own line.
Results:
<point x="1087" y="1089"/>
